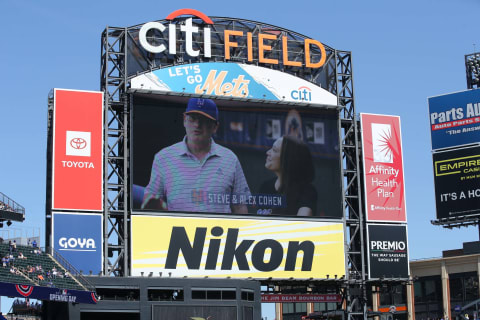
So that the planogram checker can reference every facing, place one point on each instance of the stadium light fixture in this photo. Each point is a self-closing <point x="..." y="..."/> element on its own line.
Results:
<point x="472" y="67"/>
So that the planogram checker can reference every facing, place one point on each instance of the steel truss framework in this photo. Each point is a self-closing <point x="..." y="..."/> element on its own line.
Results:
<point x="122" y="59"/>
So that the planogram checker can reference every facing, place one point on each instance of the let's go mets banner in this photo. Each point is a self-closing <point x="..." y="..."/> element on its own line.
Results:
<point x="236" y="248"/>
<point x="383" y="168"/>
<point x="234" y="80"/>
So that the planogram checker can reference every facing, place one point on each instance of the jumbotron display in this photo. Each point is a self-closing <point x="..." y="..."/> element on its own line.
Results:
<point x="222" y="148"/>
<point x="217" y="156"/>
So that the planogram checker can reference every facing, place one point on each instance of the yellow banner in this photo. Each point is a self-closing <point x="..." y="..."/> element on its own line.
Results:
<point x="236" y="248"/>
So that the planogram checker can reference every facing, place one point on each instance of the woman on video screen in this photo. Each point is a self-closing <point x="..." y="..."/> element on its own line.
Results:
<point x="291" y="161"/>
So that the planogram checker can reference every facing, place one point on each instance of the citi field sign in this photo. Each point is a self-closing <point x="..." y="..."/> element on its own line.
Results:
<point x="237" y="248"/>
<point x="228" y="57"/>
<point x="189" y="30"/>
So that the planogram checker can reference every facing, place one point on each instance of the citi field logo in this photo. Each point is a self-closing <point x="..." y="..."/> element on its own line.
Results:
<point x="257" y="45"/>
<point x="302" y="94"/>
<point x="78" y="143"/>
<point x="381" y="140"/>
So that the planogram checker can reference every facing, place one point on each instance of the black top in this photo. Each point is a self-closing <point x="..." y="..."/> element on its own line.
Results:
<point x="305" y="196"/>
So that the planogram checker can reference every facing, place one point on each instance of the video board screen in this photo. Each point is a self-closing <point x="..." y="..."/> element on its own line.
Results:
<point x="220" y="156"/>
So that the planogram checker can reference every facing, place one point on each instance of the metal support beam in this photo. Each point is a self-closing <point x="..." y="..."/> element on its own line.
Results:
<point x="113" y="81"/>
<point x="350" y="140"/>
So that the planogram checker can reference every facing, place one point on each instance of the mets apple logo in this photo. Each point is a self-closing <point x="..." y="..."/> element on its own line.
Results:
<point x="78" y="143"/>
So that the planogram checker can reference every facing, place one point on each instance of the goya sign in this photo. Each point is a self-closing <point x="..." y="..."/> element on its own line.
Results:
<point x="258" y="45"/>
<point x="78" y="238"/>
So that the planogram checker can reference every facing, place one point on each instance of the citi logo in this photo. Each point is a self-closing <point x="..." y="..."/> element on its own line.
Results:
<point x="302" y="94"/>
<point x="388" y="245"/>
<point x="77" y="244"/>
<point x="236" y="251"/>
<point x="188" y="28"/>
<point x="78" y="143"/>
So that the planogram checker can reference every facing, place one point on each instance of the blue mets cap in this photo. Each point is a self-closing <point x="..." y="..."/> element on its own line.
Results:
<point x="205" y="107"/>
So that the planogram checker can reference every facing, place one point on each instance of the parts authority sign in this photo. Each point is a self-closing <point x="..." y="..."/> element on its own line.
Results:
<point x="455" y="119"/>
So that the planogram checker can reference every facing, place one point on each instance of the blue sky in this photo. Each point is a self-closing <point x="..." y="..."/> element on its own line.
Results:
<point x="403" y="52"/>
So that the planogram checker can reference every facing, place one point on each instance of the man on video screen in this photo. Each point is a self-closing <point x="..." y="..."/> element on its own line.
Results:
<point x="196" y="174"/>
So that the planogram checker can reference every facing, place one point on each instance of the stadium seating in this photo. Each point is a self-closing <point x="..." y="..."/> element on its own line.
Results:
<point x="41" y="277"/>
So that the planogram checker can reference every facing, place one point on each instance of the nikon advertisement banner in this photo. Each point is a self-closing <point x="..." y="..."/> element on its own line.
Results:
<point x="237" y="248"/>
<point x="457" y="182"/>
<point x="387" y="251"/>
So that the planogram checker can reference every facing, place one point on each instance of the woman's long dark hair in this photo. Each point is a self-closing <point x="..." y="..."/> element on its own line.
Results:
<point x="297" y="168"/>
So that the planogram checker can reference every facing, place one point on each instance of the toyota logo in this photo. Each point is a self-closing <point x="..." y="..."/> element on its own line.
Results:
<point x="78" y="143"/>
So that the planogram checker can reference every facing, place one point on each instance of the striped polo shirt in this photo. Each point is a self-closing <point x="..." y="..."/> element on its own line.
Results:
<point x="188" y="184"/>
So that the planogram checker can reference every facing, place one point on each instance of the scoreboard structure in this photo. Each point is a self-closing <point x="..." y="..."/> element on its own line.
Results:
<point x="268" y="83"/>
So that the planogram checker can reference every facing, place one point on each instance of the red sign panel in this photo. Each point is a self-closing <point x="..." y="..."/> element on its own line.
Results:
<point x="383" y="168"/>
<point x="279" y="298"/>
<point x="77" y="150"/>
